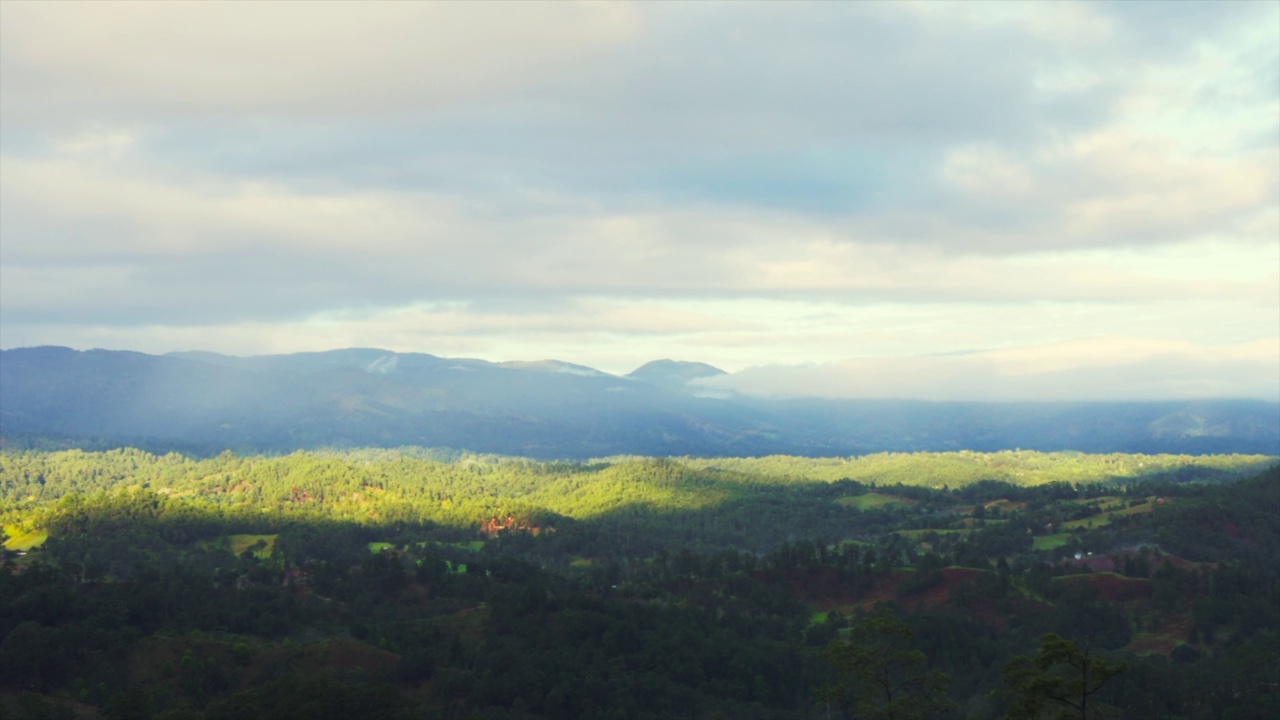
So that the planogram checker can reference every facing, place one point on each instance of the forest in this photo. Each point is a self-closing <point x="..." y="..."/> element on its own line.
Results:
<point x="426" y="583"/>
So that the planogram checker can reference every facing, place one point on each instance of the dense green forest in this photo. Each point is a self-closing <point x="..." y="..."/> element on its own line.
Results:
<point x="415" y="583"/>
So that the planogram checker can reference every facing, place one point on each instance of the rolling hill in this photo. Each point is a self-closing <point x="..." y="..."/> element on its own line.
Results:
<point x="550" y="409"/>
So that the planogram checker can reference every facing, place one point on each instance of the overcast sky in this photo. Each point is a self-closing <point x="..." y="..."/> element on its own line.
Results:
<point x="937" y="200"/>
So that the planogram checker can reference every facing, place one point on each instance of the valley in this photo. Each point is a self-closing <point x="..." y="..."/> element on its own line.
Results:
<point x="400" y="583"/>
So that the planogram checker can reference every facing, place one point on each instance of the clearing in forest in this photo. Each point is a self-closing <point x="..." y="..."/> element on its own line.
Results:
<point x="1104" y="519"/>
<point x="240" y="543"/>
<point x="874" y="501"/>
<point x="20" y="541"/>
<point x="1050" y="542"/>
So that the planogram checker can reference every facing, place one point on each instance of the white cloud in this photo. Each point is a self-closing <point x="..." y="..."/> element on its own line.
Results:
<point x="143" y="245"/>
<point x="341" y="58"/>
<point x="612" y="182"/>
<point x="1103" y="189"/>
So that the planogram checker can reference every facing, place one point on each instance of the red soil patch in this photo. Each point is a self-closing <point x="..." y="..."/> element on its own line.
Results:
<point x="821" y="587"/>
<point x="12" y="698"/>
<point x="824" y="591"/>
<point x="983" y="609"/>
<point x="1164" y="639"/>
<point x="940" y="594"/>
<point x="1113" y="587"/>
<point x="345" y="655"/>
<point x="885" y="590"/>
<point x="1158" y="558"/>
<point x="1107" y="563"/>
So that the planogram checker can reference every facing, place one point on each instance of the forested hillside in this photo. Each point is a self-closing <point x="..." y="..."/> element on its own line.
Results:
<point x="410" y="583"/>
<point x="202" y="403"/>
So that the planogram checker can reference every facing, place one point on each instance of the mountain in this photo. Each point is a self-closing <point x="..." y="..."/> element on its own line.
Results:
<point x="673" y="373"/>
<point x="550" y="409"/>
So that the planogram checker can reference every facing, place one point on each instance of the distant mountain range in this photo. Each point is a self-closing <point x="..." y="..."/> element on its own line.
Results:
<point x="365" y="397"/>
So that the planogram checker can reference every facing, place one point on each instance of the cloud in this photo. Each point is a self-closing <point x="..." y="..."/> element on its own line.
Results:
<point x="344" y="59"/>
<point x="88" y="239"/>
<point x="620" y="181"/>
<point x="1104" y="189"/>
<point x="1085" y="369"/>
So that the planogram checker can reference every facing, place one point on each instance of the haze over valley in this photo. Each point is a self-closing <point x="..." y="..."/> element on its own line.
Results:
<point x="205" y="403"/>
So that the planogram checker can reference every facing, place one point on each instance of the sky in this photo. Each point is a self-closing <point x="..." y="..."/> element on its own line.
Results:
<point x="982" y="201"/>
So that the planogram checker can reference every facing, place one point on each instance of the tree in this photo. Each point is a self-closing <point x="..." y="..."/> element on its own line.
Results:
<point x="130" y="704"/>
<point x="1059" y="681"/>
<point x="881" y="676"/>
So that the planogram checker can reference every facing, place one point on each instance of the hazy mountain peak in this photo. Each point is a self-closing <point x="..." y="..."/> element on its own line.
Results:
<point x="557" y="366"/>
<point x="206" y="357"/>
<point x="552" y="409"/>
<point x="673" y="373"/>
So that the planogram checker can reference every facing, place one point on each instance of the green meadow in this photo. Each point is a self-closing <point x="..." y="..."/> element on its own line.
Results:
<point x="241" y="543"/>
<point x="20" y="541"/>
<point x="874" y="501"/>
<point x="1050" y="542"/>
